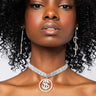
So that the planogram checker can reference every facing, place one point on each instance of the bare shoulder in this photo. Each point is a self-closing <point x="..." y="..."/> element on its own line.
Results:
<point x="5" y="89"/>
<point x="89" y="89"/>
<point x="8" y="86"/>
<point x="83" y="85"/>
<point x="16" y="80"/>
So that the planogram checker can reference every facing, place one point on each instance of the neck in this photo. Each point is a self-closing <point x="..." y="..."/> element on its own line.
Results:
<point x="47" y="59"/>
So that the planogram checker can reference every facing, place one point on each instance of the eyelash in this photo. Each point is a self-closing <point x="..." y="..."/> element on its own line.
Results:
<point x="32" y="5"/>
<point x="63" y="6"/>
<point x="67" y="6"/>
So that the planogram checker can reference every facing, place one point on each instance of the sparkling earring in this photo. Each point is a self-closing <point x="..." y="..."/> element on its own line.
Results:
<point x="75" y="38"/>
<point x="21" y="39"/>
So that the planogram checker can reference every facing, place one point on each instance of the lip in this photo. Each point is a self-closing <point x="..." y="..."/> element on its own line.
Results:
<point x="50" y="25"/>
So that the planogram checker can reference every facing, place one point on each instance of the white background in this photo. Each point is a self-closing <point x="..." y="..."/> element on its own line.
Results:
<point x="6" y="73"/>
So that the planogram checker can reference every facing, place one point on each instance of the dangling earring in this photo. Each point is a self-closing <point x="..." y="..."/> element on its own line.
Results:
<point x="75" y="38"/>
<point x="21" y="39"/>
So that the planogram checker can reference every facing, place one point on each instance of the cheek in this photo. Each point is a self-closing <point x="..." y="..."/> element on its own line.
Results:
<point x="32" y="23"/>
<point x="31" y="19"/>
<point x="68" y="23"/>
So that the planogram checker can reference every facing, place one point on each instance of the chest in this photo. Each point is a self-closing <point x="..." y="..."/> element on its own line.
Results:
<point x="53" y="92"/>
<point x="56" y="91"/>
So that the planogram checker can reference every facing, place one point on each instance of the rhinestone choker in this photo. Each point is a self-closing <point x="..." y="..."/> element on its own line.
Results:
<point x="45" y="85"/>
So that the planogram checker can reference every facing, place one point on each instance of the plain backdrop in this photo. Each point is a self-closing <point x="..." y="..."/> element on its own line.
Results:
<point x="6" y="73"/>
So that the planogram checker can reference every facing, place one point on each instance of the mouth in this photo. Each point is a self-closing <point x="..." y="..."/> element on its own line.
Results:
<point x="50" y="29"/>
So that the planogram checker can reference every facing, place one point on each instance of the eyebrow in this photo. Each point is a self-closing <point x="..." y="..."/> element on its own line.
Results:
<point x="59" y="1"/>
<point x="72" y="1"/>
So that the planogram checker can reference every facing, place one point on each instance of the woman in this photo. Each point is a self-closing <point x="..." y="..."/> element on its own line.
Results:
<point x="57" y="33"/>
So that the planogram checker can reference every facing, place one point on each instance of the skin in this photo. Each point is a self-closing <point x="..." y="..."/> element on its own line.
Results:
<point x="52" y="48"/>
<point x="48" y="53"/>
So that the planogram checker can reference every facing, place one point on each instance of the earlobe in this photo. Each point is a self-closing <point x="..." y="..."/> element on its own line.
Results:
<point x="23" y="26"/>
<point x="77" y="25"/>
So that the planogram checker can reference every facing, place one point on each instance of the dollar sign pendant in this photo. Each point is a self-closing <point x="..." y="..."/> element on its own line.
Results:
<point x="45" y="85"/>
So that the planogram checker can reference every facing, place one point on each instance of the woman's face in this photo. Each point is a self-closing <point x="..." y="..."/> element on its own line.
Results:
<point x="50" y="23"/>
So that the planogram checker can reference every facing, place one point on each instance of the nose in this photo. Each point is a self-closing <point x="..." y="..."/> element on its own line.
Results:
<point x="51" y="14"/>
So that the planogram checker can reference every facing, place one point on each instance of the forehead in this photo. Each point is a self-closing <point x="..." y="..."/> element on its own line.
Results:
<point x="55" y="0"/>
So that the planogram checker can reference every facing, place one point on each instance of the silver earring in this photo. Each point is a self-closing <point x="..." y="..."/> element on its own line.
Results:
<point x="21" y="39"/>
<point x="75" y="38"/>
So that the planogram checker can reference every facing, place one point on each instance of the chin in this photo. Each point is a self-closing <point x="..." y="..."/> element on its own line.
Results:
<point x="51" y="44"/>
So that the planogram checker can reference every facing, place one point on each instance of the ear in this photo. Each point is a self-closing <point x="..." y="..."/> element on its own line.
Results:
<point x="23" y="26"/>
<point x="76" y="25"/>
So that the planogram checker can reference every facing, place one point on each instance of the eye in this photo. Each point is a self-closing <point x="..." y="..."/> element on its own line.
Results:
<point x="66" y="6"/>
<point x="36" y="6"/>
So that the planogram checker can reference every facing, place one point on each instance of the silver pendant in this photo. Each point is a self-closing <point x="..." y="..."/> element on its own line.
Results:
<point x="45" y="85"/>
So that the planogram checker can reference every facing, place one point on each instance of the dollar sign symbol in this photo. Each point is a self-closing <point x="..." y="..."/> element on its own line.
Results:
<point x="45" y="84"/>
<point x="75" y="41"/>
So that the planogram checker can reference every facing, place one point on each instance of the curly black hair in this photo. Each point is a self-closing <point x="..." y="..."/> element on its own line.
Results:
<point x="12" y="17"/>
